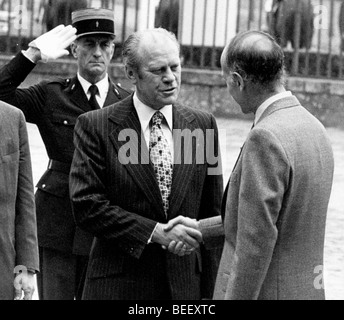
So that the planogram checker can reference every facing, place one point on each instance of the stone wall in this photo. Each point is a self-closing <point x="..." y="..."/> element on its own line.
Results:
<point x="207" y="90"/>
<point x="324" y="98"/>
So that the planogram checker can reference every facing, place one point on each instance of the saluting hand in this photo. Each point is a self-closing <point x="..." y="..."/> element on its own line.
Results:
<point x="52" y="45"/>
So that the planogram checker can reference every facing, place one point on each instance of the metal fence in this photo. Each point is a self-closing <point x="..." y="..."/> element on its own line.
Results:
<point x="310" y="31"/>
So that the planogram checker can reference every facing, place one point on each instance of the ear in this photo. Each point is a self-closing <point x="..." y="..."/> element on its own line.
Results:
<point x="131" y="74"/>
<point x="238" y="81"/>
<point x="73" y="48"/>
<point x="113" y="49"/>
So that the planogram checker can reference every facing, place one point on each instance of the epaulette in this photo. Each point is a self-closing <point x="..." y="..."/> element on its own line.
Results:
<point x="62" y="81"/>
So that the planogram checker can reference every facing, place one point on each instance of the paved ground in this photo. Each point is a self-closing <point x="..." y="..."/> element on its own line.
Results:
<point x="232" y="135"/>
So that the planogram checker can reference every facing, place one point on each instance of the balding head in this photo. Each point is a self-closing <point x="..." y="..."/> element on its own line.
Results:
<point x="257" y="57"/>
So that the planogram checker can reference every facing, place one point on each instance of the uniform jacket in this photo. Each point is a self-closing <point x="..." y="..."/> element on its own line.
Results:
<point x="18" y="229"/>
<point x="120" y="203"/>
<point x="54" y="107"/>
<point x="276" y="207"/>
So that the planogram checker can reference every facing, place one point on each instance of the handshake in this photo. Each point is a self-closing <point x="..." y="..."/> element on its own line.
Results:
<point x="180" y="236"/>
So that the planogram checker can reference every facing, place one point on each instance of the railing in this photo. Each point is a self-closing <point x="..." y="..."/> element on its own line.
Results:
<point x="310" y="31"/>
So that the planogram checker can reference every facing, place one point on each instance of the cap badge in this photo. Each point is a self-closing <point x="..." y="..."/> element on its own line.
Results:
<point x="97" y="24"/>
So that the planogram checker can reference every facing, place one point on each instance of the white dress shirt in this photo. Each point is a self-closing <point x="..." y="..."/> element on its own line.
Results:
<point x="146" y="113"/>
<point x="268" y="103"/>
<point x="103" y="88"/>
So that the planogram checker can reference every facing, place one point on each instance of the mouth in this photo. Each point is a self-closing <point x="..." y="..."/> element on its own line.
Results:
<point x="169" y="91"/>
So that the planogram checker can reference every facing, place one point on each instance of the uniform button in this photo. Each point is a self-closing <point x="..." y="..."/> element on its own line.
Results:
<point x="65" y="122"/>
<point x="44" y="186"/>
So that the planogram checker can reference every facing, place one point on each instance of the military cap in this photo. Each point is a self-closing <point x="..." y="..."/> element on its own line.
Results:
<point x="91" y="21"/>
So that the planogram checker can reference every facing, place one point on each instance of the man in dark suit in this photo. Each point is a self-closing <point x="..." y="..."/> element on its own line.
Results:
<point x="276" y="201"/>
<point x="132" y="172"/>
<point x="18" y="230"/>
<point x="54" y="107"/>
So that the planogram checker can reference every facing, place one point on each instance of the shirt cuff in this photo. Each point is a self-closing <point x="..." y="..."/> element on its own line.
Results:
<point x="33" y="271"/>
<point x="25" y="55"/>
<point x="151" y="237"/>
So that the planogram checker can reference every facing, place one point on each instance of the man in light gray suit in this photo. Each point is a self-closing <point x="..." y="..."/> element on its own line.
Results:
<point x="275" y="204"/>
<point x="277" y="197"/>
<point x="18" y="231"/>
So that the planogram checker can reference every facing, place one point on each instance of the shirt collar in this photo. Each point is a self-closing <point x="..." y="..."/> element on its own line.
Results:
<point x="268" y="103"/>
<point x="103" y="85"/>
<point x="146" y="113"/>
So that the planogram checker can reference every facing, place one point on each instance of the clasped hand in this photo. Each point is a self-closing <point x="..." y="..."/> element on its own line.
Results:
<point x="24" y="285"/>
<point x="182" y="236"/>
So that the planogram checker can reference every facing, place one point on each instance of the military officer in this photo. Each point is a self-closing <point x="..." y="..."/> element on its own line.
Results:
<point x="54" y="107"/>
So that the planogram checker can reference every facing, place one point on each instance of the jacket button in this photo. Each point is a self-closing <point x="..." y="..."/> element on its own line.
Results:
<point x="65" y="122"/>
<point x="44" y="186"/>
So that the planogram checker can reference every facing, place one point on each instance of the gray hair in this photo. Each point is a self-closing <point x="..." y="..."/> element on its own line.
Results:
<point x="130" y="53"/>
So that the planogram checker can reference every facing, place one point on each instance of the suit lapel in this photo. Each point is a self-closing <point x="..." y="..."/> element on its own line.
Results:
<point x="224" y="201"/>
<point x="182" y="173"/>
<point x="141" y="171"/>
<point x="225" y="195"/>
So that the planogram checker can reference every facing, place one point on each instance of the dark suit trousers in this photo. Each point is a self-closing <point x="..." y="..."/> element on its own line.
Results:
<point x="62" y="275"/>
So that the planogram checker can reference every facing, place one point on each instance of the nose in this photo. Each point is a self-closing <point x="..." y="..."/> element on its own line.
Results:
<point x="97" y="50"/>
<point x="169" y="76"/>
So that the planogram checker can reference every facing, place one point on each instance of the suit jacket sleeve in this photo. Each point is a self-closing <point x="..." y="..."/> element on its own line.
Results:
<point x="212" y="231"/>
<point x="92" y="209"/>
<point x="264" y="180"/>
<point x="26" y="227"/>
<point x="29" y="100"/>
